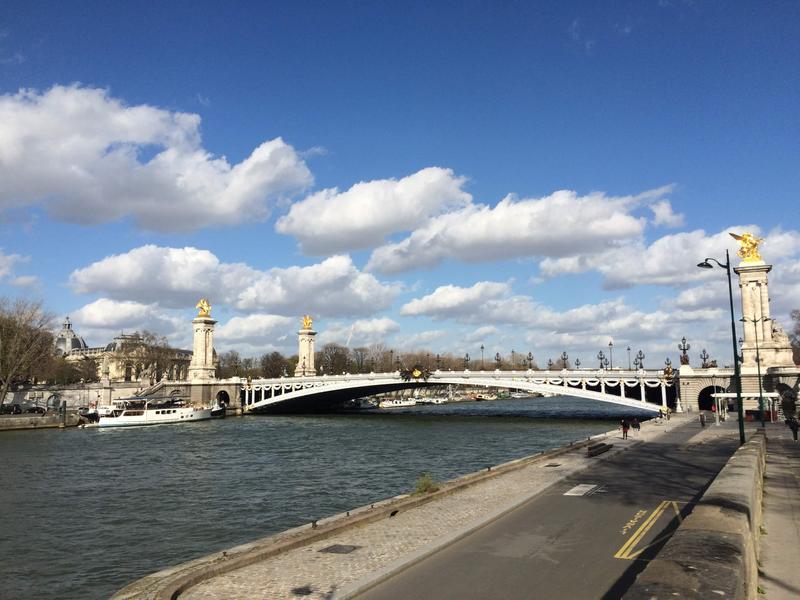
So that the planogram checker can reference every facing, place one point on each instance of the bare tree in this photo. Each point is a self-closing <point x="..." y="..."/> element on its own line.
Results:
<point x="26" y="341"/>
<point x="273" y="364"/>
<point x="334" y="359"/>
<point x="360" y="358"/>
<point x="794" y="337"/>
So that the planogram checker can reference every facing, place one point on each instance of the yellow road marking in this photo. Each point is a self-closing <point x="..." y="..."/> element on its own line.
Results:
<point x="625" y="552"/>
<point x="632" y="555"/>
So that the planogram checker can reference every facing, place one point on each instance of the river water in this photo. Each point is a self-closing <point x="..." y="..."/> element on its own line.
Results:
<point x="87" y="511"/>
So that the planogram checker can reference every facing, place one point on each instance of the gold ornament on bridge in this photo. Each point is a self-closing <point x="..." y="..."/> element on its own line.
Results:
<point x="307" y="321"/>
<point x="748" y="247"/>
<point x="204" y="308"/>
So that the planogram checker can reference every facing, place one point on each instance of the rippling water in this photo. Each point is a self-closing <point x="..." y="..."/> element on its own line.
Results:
<point x="85" y="512"/>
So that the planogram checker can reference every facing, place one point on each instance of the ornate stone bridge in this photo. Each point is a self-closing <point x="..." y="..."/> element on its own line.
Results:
<point x="642" y="389"/>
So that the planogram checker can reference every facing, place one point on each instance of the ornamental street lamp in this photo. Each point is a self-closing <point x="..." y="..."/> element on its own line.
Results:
<point x="758" y="367"/>
<point x="391" y="358"/>
<point x="481" y="357"/>
<point x="636" y="363"/>
<point x="704" y="358"/>
<point x="466" y="361"/>
<point x="605" y="363"/>
<point x="513" y="360"/>
<point x="497" y="360"/>
<point x="737" y="376"/>
<point x="438" y="362"/>
<point x="578" y="363"/>
<point x="530" y="360"/>
<point x="549" y="364"/>
<point x="640" y="356"/>
<point x="684" y="347"/>
<point x="564" y="359"/>
<point x="611" y="352"/>
<point x="629" y="358"/>
<point x="601" y="357"/>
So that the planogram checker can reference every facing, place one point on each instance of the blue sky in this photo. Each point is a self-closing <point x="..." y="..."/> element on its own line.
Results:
<point x="531" y="176"/>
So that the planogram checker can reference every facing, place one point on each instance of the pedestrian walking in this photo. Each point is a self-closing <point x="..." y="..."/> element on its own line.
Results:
<point x="635" y="425"/>
<point x="702" y="419"/>
<point x="669" y="412"/>
<point x="625" y="426"/>
<point x="793" y="425"/>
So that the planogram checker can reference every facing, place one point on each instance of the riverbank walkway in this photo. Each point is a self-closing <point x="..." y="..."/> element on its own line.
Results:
<point x="515" y="532"/>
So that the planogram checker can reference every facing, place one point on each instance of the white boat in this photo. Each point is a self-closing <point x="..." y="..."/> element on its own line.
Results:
<point x="139" y="412"/>
<point x="520" y="395"/>
<point x="485" y="396"/>
<point x="397" y="403"/>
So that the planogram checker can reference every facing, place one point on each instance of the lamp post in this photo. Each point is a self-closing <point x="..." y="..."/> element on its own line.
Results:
<point x="611" y="352"/>
<point x="513" y="360"/>
<point x="481" y="357"/>
<point x="640" y="357"/>
<point x="737" y="376"/>
<point x="497" y="360"/>
<point x="578" y="363"/>
<point x="758" y="367"/>
<point x="629" y="358"/>
<point x="530" y="360"/>
<point x="704" y="358"/>
<point x="438" y="362"/>
<point x="564" y="359"/>
<point x="601" y="357"/>
<point x="549" y="364"/>
<point x="391" y="358"/>
<point x="466" y="361"/>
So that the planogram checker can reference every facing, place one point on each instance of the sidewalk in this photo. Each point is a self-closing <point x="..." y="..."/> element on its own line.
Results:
<point x="386" y="546"/>
<point x="779" y="575"/>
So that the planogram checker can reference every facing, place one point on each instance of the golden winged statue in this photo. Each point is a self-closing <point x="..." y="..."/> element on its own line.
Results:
<point x="204" y="308"/>
<point x="748" y="247"/>
<point x="307" y="321"/>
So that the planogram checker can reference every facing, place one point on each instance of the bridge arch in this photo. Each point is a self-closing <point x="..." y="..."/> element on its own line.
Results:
<point x="301" y="394"/>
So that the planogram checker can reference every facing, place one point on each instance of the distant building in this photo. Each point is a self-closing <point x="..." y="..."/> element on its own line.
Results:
<point x="122" y="359"/>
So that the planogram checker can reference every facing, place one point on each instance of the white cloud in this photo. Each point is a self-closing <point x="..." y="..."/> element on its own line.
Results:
<point x="562" y="224"/>
<point x="105" y="318"/>
<point x="88" y="158"/>
<point x="25" y="281"/>
<point x="257" y="329"/>
<point x="664" y="215"/>
<point x="334" y="287"/>
<point x="363" y="332"/>
<point x="7" y="262"/>
<point x="482" y="333"/>
<point x="670" y="260"/>
<point x="362" y="217"/>
<point x="450" y="301"/>
<point x="177" y="277"/>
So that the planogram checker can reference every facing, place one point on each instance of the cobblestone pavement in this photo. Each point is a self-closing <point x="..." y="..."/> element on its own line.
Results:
<point x="307" y="572"/>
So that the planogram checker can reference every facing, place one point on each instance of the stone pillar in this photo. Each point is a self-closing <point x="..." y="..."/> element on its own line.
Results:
<point x="202" y="366"/>
<point x="773" y="344"/>
<point x="305" y="353"/>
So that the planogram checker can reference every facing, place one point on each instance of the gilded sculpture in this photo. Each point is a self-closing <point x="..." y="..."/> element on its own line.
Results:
<point x="204" y="308"/>
<point x="307" y="321"/>
<point x="748" y="247"/>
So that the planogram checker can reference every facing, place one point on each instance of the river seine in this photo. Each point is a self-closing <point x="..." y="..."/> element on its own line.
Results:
<point x="87" y="511"/>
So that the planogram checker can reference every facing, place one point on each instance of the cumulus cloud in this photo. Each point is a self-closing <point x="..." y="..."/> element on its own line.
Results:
<point x="89" y="158"/>
<point x="450" y="301"/>
<point x="258" y="329"/>
<point x="363" y="332"/>
<point x="664" y="215"/>
<point x="562" y="224"/>
<point x="362" y="217"/>
<point x="177" y="277"/>
<point x="105" y="318"/>
<point x="7" y="262"/>
<point x="670" y="260"/>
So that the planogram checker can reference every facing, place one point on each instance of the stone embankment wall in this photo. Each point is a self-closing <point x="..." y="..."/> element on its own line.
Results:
<point x="12" y="422"/>
<point x="713" y="554"/>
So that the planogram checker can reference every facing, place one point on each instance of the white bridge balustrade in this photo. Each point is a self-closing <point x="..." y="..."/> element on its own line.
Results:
<point x="625" y="388"/>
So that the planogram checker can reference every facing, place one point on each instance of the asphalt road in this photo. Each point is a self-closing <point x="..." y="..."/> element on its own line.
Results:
<point x="575" y="547"/>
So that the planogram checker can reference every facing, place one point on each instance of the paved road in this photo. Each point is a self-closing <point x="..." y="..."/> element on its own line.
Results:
<point x="577" y="546"/>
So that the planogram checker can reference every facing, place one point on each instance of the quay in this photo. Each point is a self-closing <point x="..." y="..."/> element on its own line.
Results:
<point x="531" y="524"/>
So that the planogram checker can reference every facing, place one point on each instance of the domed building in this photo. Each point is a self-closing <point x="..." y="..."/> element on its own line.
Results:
<point x="67" y="340"/>
<point x="125" y="358"/>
